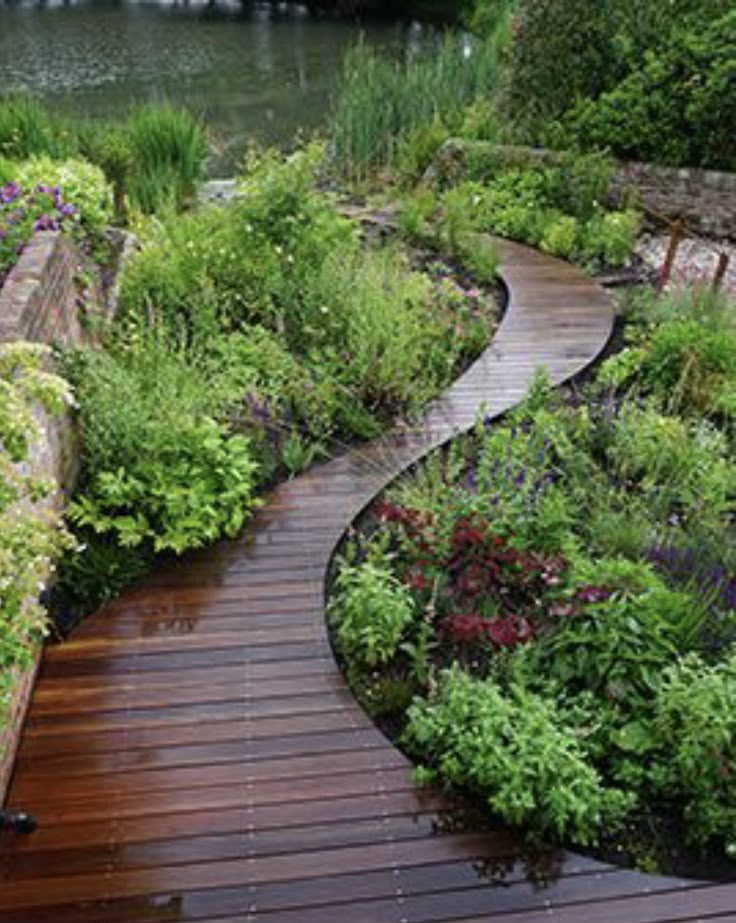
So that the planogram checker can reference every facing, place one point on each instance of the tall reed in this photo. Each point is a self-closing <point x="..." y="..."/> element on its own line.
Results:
<point x="28" y="128"/>
<point x="380" y="99"/>
<point x="167" y="151"/>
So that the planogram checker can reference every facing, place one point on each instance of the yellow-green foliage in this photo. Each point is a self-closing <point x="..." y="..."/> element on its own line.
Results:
<point x="30" y="533"/>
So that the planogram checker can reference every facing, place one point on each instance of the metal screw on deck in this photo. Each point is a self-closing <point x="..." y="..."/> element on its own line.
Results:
<point x="17" y="821"/>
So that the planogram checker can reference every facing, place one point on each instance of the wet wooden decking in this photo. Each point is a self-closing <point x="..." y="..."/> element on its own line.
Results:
<point x="192" y="753"/>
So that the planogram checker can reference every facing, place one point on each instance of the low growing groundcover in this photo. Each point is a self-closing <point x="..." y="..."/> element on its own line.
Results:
<point x="544" y="614"/>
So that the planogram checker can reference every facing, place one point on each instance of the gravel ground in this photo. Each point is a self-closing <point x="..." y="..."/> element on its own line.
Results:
<point x="697" y="258"/>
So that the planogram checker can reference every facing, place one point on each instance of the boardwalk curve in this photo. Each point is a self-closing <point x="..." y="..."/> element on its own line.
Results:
<point x="193" y="754"/>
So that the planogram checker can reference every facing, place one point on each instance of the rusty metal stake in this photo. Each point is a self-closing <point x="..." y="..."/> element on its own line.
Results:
<point x="678" y="232"/>
<point x="720" y="275"/>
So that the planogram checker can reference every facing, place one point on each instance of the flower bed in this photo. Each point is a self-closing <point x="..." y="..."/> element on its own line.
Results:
<point x="22" y="213"/>
<point x="544" y="613"/>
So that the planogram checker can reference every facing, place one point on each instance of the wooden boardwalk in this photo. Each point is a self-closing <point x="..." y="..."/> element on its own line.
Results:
<point x="192" y="753"/>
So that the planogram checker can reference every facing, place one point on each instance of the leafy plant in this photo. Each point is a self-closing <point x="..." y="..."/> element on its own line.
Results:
<point x="622" y="628"/>
<point x="31" y="536"/>
<point x="670" y="109"/>
<point x="693" y="726"/>
<point x="511" y="748"/>
<point x="158" y="471"/>
<point x="81" y="184"/>
<point x="371" y="611"/>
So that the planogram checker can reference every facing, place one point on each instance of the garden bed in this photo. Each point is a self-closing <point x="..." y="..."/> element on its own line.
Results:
<point x="543" y="614"/>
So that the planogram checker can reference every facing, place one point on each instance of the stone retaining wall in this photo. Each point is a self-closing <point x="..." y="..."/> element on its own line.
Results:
<point x="704" y="199"/>
<point x="40" y="302"/>
<point x="39" y="299"/>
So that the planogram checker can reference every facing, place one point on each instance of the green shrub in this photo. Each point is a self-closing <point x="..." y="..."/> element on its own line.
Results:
<point x="511" y="748"/>
<point x="31" y="537"/>
<point x="561" y="236"/>
<point x="416" y="213"/>
<point x="371" y="611"/>
<point x="558" y="208"/>
<point x="609" y="238"/>
<point x="158" y="472"/>
<point x="82" y="184"/>
<point x="688" y="364"/>
<point x="560" y="50"/>
<point x="417" y="148"/>
<point x="695" y="726"/>
<point x="682" y="351"/>
<point x="682" y="468"/>
<point x="108" y="146"/>
<point x="676" y="108"/>
<point x="618" y="646"/>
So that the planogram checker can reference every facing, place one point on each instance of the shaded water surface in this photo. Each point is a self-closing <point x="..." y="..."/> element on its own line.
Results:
<point x="253" y="70"/>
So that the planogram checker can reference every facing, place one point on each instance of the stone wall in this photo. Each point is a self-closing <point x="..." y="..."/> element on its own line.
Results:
<point x="39" y="299"/>
<point x="704" y="199"/>
<point x="40" y="302"/>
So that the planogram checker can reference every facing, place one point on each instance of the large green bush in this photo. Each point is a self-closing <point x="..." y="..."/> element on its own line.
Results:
<point x="651" y="81"/>
<point x="560" y="50"/>
<point x="677" y="107"/>
<point x="157" y="468"/>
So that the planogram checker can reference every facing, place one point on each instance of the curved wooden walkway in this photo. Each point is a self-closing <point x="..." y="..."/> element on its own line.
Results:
<point x="192" y="754"/>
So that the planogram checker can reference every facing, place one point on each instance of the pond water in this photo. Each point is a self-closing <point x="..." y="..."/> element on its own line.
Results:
<point x="253" y="70"/>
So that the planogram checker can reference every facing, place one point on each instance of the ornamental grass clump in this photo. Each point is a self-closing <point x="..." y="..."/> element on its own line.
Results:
<point x="167" y="149"/>
<point x="392" y="113"/>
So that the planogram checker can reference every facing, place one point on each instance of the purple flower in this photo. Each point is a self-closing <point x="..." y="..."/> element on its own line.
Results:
<point x="592" y="594"/>
<point x="9" y="193"/>
<point x="46" y="223"/>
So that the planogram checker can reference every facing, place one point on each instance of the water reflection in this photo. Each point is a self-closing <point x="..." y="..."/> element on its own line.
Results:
<point x="254" y="70"/>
